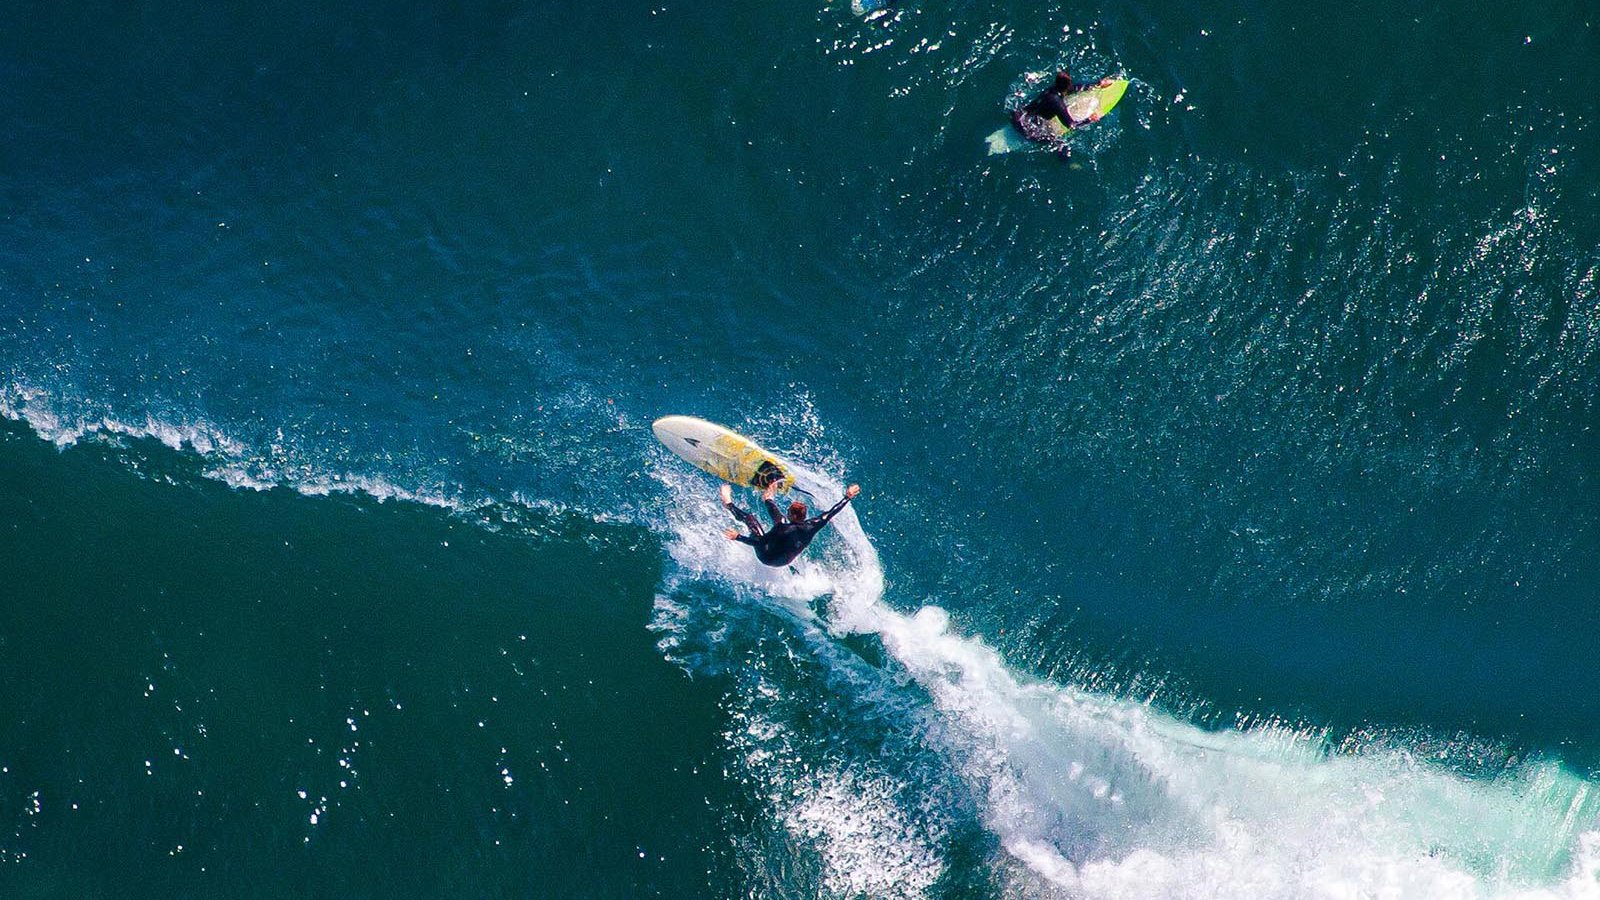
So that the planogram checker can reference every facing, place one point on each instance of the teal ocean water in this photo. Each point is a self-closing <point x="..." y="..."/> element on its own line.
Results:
<point x="1231" y="512"/>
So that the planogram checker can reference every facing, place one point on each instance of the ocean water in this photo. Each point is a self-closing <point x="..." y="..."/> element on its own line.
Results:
<point x="1231" y="510"/>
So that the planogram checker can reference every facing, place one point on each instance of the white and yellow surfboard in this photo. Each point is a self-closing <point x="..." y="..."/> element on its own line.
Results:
<point x="722" y="452"/>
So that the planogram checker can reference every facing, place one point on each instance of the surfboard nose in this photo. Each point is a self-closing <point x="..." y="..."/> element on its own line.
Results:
<point x="663" y="429"/>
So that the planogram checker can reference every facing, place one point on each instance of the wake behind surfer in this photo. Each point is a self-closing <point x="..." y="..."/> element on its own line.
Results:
<point x="789" y="535"/>
<point x="1033" y="119"/>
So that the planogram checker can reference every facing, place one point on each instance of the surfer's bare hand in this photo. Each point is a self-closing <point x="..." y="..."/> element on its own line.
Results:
<point x="730" y="534"/>
<point x="727" y="495"/>
<point x="852" y="491"/>
<point x="1106" y="81"/>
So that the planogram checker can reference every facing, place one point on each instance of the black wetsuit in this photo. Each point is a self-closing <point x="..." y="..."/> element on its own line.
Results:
<point x="787" y="540"/>
<point x="1052" y="104"/>
<point x="1033" y="120"/>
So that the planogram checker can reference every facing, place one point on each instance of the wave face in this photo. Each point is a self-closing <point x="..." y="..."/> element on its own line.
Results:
<point x="1231" y="488"/>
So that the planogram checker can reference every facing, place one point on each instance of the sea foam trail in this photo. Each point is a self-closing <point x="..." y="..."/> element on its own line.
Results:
<point x="244" y="465"/>
<point x="227" y="459"/>
<point x="1108" y="798"/>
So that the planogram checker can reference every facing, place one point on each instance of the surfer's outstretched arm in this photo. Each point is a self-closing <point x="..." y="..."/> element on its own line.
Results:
<point x="849" y="495"/>
<point x="823" y="519"/>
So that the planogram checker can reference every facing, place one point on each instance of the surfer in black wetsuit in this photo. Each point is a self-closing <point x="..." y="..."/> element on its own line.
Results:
<point x="789" y="535"/>
<point x="1033" y="119"/>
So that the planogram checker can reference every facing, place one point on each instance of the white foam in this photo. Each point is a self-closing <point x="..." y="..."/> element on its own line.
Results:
<point x="870" y="845"/>
<point x="35" y="407"/>
<point x="1108" y="798"/>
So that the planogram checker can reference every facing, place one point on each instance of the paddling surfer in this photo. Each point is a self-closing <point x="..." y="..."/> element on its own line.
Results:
<point x="789" y="535"/>
<point x="1033" y="119"/>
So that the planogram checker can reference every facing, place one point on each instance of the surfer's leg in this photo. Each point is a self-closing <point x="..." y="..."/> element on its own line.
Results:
<point x="750" y="521"/>
<point x="1016" y="120"/>
<point x="1032" y="127"/>
<point x="774" y="513"/>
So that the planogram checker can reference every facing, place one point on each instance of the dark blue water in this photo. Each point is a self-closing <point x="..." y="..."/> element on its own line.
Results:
<point x="1231" y="522"/>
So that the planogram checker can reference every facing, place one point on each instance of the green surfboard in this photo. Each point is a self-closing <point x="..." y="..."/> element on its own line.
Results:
<point x="1093" y="103"/>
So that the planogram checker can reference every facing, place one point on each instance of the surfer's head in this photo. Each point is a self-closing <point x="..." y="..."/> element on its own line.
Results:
<point x="1063" y="83"/>
<point x="797" y="512"/>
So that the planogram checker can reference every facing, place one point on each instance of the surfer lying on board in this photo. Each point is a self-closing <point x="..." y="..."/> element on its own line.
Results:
<point x="789" y="536"/>
<point x="1033" y="120"/>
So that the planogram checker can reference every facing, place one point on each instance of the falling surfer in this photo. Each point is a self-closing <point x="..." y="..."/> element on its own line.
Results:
<point x="1035" y="120"/>
<point x="790" y="534"/>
